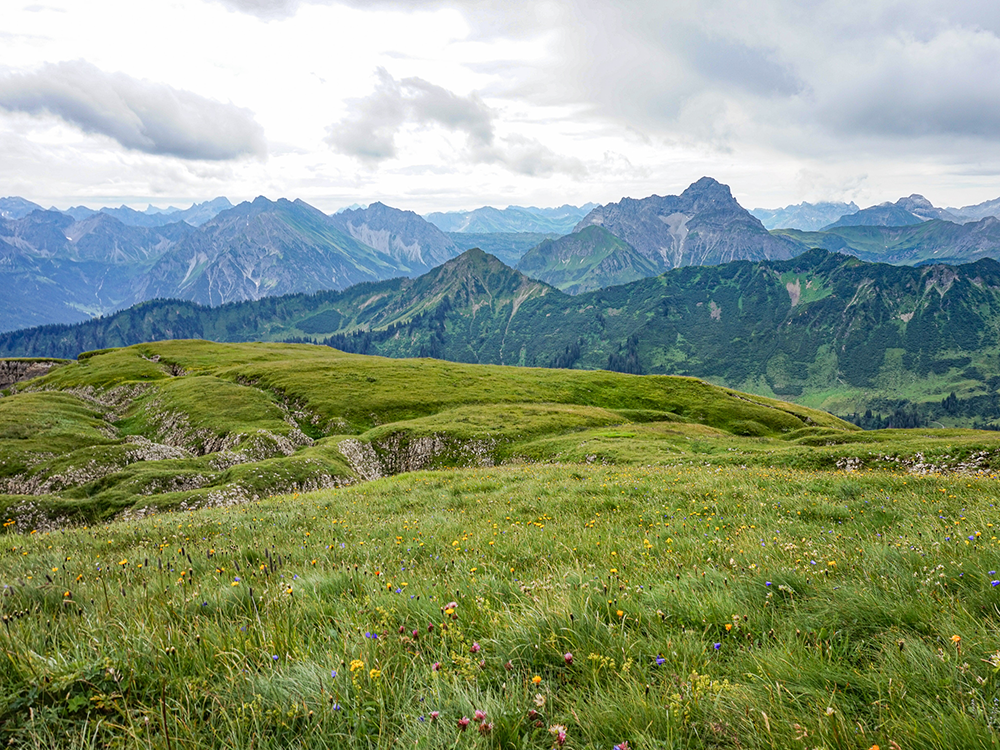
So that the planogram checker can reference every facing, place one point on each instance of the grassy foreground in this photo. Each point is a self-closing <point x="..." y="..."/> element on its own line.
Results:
<point x="543" y="606"/>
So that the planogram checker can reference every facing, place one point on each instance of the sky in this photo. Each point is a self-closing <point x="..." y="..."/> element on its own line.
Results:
<point x="447" y="105"/>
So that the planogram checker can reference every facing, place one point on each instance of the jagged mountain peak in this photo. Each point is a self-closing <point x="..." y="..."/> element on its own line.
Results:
<point x="704" y="225"/>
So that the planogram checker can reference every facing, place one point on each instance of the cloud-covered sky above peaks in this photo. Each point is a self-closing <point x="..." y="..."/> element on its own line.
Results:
<point x="437" y="105"/>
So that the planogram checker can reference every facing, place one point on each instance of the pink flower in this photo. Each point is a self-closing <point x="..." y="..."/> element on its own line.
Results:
<point x="463" y="723"/>
<point x="434" y="715"/>
<point x="568" y="658"/>
<point x="436" y="666"/>
<point x="480" y="714"/>
<point x="561" y="739"/>
<point x="486" y="727"/>
<point x="475" y="647"/>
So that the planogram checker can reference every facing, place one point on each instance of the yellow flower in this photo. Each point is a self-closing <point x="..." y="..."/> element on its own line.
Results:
<point x="357" y="664"/>
<point x="536" y="679"/>
<point x="729" y="626"/>
<point x="956" y="639"/>
<point x="375" y="674"/>
<point x="620" y="613"/>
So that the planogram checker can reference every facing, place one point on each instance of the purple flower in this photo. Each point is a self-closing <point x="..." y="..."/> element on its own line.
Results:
<point x="274" y="656"/>
<point x="660" y="661"/>
<point x="717" y="646"/>
<point x="767" y="583"/>
<point x="994" y="583"/>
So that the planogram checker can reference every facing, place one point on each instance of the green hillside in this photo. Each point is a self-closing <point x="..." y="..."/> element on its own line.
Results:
<point x="915" y="244"/>
<point x="826" y="330"/>
<point x="590" y="259"/>
<point x="185" y="422"/>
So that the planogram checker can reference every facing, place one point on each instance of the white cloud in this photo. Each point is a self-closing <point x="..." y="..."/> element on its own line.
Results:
<point x="140" y="115"/>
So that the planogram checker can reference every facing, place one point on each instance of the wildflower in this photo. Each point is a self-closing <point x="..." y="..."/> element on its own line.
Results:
<point x="463" y="723"/>
<point x="436" y="666"/>
<point x="729" y="626"/>
<point x="435" y="715"/>
<point x="560" y="734"/>
<point x="333" y="673"/>
<point x="621" y="613"/>
<point x="994" y="584"/>
<point x="357" y="664"/>
<point x="475" y="648"/>
<point x="430" y="627"/>
<point x="274" y="656"/>
<point x="509" y="665"/>
<point x="568" y="657"/>
<point x="486" y="727"/>
<point x="536" y="679"/>
<point x="830" y="711"/>
<point x="479" y="715"/>
<point x="660" y="661"/>
<point x="375" y="674"/>
<point x="717" y="646"/>
<point x="956" y="639"/>
<point x="539" y="701"/>
<point x="767" y="583"/>
<point x="622" y="746"/>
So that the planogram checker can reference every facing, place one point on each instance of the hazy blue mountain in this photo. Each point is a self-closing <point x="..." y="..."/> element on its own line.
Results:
<point x="978" y="211"/>
<point x="906" y="211"/>
<point x="489" y="220"/>
<point x="414" y="244"/>
<point x="922" y="208"/>
<point x="16" y="208"/>
<point x="507" y="246"/>
<point x="54" y="269"/>
<point x="260" y="249"/>
<point x="702" y="226"/>
<point x="59" y="270"/>
<point x="196" y="215"/>
<point x="808" y="217"/>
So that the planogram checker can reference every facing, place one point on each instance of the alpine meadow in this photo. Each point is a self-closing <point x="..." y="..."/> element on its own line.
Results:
<point x="416" y="374"/>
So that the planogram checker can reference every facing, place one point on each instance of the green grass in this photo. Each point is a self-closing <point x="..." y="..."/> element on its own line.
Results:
<point x="834" y="600"/>
<point x="191" y="423"/>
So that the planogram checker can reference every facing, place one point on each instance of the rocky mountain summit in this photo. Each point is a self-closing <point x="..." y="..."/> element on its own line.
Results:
<point x="704" y="225"/>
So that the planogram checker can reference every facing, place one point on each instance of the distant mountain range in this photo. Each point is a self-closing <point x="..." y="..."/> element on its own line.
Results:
<point x="804" y="216"/>
<point x="489" y="220"/>
<point x="67" y="266"/>
<point x="825" y="329"/>
<point x="196" y="215"/>
<point x="811" y="217"/>
<point x="923" y="242"/>
<point x="58" y="269"/>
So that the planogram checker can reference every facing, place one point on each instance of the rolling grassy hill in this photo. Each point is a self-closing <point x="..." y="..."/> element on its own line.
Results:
<point x="194" y="423"/>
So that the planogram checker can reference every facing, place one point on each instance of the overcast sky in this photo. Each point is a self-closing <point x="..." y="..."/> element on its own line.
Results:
<point x="445" y="105"/>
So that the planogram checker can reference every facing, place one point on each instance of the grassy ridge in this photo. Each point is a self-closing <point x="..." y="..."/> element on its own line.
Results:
<point x="193" y="423"/>
<point x="677" y="607"/>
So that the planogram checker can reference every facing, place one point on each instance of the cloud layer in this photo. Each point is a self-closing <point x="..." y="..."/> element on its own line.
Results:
<point x="140" y="115"/>
<point x="369" y="132"/>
